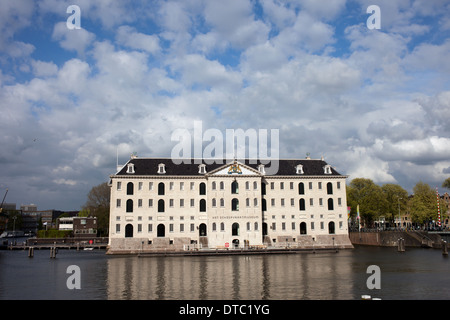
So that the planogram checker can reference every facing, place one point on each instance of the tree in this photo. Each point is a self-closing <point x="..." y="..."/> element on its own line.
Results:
<point x="423" y="205"/>
<point x="97" y="205"/>
<point x="394" y="195"/>
<point x="369" y="197"/>
<point x="446" y="183"/>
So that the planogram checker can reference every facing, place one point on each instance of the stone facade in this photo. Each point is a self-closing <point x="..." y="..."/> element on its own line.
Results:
<point x="159" y="205"/>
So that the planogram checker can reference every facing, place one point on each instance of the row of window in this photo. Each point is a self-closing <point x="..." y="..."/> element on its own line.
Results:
<point x="235" y="228"/>
<point x="234" y="187"/>
<point x="234" y="203"/>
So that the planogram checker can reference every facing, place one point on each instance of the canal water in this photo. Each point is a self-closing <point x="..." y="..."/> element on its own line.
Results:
<point x="414" y="274"/>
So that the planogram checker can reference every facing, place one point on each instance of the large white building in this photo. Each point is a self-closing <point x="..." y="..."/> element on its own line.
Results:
<point x="159" y="205"/>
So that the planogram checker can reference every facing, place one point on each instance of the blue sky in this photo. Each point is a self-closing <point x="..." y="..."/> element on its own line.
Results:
<point x="374" y="103"/>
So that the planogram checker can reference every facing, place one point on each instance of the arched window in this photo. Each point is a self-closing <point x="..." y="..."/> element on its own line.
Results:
<point x="263" y="188"/>
<point x="161" y="189"/>
<point x="161" y="230"/>
<point x="213" y="185"/>
<point x="222" y="226"/>
<point x="234" y="187"/>
<point x="330" y="204"/>
<point x="129" y="205"/>
<point x="301" y="188"/>
<point x="235" y="229"/>
<point x="264" y="205"/>
<point x="129" y="231"/>
<point x="235" y="205"/>
<point x="222" y="202"/>
<point x="130" y="188"/>
<point x="214" y="202"/>
<point x="221" y="185"/>
<point x="202" y="189"/>
<point x="214" y="226"/>
<point x="202" y="205"/>
<point x="302" y="205"/>
<point x="329" y="188"/>
<point x="256" y="226"/>
<point x="331" y="227"/>
<point x="303" y="228"/>
<point x="161" y="205"/>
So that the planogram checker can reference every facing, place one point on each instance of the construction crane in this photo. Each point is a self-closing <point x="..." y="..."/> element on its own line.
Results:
<point x="3" y="201"/>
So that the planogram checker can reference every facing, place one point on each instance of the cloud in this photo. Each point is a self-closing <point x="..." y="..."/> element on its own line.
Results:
<point x="128" y="36"/>
<point x="73" y="40"/>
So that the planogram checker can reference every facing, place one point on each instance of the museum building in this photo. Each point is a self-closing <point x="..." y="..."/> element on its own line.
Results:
<point x="161" y="204"/>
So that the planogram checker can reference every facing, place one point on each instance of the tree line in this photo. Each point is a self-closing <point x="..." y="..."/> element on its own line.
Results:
<point x="389" y="199"/>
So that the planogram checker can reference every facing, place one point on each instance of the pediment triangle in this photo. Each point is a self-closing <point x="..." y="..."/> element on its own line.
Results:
<point x="235" y="168"/>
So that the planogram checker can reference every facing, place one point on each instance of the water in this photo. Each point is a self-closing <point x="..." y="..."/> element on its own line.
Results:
<point x="414" y="274"/>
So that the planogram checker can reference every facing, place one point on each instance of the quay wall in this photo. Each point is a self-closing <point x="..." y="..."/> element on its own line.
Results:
<point x="390" y="238"/>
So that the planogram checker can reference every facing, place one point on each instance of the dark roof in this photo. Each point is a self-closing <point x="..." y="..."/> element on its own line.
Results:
<point x="149" y="166"/>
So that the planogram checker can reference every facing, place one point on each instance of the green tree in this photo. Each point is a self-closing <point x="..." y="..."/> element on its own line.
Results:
<point x="446" y="183"/>
<point x="370" y="198"/>
<point x="394" y="195"/>
<point x="423" y="205"/>
<point x="97" y="205"/>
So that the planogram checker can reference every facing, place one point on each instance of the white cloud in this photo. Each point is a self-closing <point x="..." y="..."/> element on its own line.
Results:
<point x="73" y="40"/>
<point x="128" y="36"/>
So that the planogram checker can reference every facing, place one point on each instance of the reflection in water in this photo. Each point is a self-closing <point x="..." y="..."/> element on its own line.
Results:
<point x="298" y="276"/>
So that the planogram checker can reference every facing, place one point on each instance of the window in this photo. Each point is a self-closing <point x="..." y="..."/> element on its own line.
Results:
<point x="221" y="185"/>
<point x="327" y="169"/>
<point x="140" y="185"/>
<point x="161" y="189"/>
<point x="330" y="204"/>
<point x="255" y="202"/>
<point x="214" y="227"/>
<point x="329" y="188"/>
<point x="302" y="205"/>
<point x="161" y="205"/>
<point x="255" y="185"/>
<point x="247" y="185"/>
<point x="119" y="185"/>
<point x="301" y="188"/>
<point x="139" y="203"/>
<point x="202" y="169"/>
<point x="235" y="205"/>
<point x="170" y="185"/>
<point x="222" y="202"/>
<point x="171" y="203"/>
<point x="261" y="169"/>
<point x="214" y="202"/>
<point x="130" y="168"/>
<point x="150" y="186"/>
<point x="118" y="203"/>
<point x="202" y="205"/>
<point x="264" y="205"/>
<point x="130" y="188"/>
<point x="202" y="189"/>
<point x="213" y="185"/>
<point x="235" y="229"/>
<point x="118" y="228"/>
<point x="181" y="203"/>
<point x="331" y="227"/>
<point x="222" y="226"/>
<point x="182" y="186"/>
<point x="150" y="203"/>
<point x="299" y="169"/>
<point x="161" y="168"/>
<point x="247" y="202"/>
<point x="256" y="226"/>
<point x="234" y="187"/>
<point x="129" y="205"/>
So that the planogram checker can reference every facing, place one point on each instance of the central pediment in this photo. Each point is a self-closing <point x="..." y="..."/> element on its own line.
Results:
<point x="235" y="168"/>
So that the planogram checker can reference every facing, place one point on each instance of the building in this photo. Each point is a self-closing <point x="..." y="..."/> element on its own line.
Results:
<point x="82" y="227"/>
<point x="157" y="204"/>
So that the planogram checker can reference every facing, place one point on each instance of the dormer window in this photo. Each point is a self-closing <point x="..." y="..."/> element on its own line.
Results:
<point x="202" y="169"/>
<point x="327" y="169"/>
<point x="299" y="169"/>
<point x="130" y="168"/>
<point x="161" y="168"/>
<point x="261" y="169"/>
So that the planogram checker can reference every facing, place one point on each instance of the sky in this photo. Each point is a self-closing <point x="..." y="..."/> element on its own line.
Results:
<point x="375" y="103"/>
